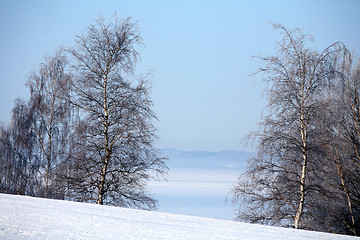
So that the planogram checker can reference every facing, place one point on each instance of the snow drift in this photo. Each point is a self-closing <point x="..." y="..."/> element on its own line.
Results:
<point x="23" y="217"/>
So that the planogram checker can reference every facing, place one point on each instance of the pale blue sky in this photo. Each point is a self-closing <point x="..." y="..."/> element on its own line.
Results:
<point x="200" y="52"/>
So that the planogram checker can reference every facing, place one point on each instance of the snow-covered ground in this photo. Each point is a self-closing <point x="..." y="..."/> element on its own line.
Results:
<point x="24" y="217"/>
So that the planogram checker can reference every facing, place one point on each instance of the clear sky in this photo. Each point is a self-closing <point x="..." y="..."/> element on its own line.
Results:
<point x="200" y="53"/>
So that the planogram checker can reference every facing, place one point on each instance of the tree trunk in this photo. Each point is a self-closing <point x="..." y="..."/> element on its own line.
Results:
<point x="300" y="208"/>
<point x="303" y="131"/>
<point x="346" y="191"/>
<point x="106" y="148"/>
<point x="48" y="162"/>
<point x="100" y="200"/>
<point x="105" y="165"/>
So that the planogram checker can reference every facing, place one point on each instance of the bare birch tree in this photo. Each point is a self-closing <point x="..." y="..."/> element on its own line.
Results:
<point x="345" y="146"/>
<point x="338" y="210"/>
<point x="283" y="175"/>
<point x="49" y="93"/>
<point x="113" y="153"/>
<point x="17" y="146"/>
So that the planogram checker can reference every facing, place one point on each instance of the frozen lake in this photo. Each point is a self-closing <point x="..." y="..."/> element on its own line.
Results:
<point x="199" y="183"/>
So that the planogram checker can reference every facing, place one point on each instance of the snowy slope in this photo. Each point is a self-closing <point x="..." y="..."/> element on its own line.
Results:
<point x="34" y="218"/>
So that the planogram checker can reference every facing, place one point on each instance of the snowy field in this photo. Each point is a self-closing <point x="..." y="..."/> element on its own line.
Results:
<point x="24" y="217"/>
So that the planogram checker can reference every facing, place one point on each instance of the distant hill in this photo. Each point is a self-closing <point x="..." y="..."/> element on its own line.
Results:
<point x="231" y="159"/>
